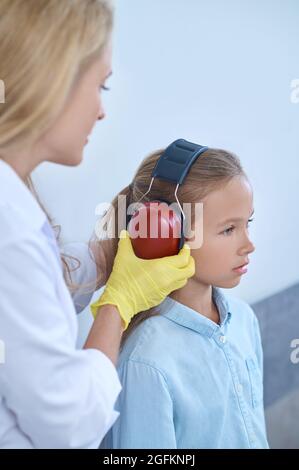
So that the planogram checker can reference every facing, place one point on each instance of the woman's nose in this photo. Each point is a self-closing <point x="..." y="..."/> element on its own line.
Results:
<point x="101" y="115"/>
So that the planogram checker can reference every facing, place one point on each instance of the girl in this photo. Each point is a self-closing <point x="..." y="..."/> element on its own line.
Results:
<point x="191" y="369"/>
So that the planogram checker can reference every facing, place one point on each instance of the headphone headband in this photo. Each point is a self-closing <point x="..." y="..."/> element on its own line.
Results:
<point x="176" y="161"/>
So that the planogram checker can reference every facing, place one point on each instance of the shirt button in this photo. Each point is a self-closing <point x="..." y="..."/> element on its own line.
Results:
<point x="239" y="388"/>
<point x="222" y="339"/>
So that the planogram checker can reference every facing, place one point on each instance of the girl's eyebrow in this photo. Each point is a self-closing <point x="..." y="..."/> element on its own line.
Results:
<point x="236" y="219"/>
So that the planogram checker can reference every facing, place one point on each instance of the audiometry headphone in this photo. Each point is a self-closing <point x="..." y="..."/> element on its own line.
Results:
<point x="164" y="226"/>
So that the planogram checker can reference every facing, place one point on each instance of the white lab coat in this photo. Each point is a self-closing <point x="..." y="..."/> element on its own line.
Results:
<point x="51" y="394"/>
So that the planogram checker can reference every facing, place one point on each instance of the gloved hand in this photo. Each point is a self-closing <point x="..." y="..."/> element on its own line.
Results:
<point x="137" y="284"/>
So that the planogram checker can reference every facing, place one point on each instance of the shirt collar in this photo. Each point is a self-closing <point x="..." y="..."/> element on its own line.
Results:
<point x="14" y="193"/>
<point x="194" y="320"/>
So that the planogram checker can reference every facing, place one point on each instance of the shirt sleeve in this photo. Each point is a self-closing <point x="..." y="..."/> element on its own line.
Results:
<point x="146" y="411"/>
<point x="61" y="397"/>
<point x="258" y="343"/>
<point x="83" y="272"/>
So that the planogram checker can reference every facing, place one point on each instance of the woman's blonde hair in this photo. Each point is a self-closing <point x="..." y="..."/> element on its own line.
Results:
<point x="211" y="171"/>
<point x="44" y="47"/>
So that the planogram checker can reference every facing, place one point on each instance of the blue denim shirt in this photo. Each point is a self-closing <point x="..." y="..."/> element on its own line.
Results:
<point x="190" y="383"/>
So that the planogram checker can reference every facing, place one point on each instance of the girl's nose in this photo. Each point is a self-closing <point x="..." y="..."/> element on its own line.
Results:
<point x="251" y="247"/>
<point x="248" y="247"/>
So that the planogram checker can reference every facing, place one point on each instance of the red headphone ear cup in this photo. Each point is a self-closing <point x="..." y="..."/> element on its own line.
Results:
<point x="155" y="231"/>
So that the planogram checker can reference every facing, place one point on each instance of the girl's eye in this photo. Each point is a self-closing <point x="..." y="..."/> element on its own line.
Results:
<point x="230" y="230"/>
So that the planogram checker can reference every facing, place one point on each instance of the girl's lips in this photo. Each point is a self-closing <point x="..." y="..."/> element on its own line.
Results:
<point x="241" y="269"/>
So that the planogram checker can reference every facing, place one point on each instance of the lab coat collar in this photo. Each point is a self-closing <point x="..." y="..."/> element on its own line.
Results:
<point x="14" y="193"/>
<point x="194" y="320"/>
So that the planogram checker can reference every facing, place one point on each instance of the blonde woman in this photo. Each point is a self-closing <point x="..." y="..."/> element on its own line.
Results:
<point x="55" y="59"/>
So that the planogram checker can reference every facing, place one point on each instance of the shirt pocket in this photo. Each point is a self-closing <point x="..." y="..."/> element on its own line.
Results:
<point x="255" y="381"/>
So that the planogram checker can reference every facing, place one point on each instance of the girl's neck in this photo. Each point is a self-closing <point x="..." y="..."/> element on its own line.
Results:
<point x="198" y="296"/>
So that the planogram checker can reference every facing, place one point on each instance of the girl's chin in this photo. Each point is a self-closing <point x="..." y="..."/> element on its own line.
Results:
<point x="235" y="282"/>
<point x="229" y="284"/>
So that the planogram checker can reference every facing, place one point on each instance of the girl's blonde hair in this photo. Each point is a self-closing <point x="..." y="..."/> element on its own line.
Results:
<point x="44" y="47"/>
<point x="211" y="171"/>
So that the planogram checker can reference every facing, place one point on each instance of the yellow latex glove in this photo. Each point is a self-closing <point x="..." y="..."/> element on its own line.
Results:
<point x="137" y="284"/>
